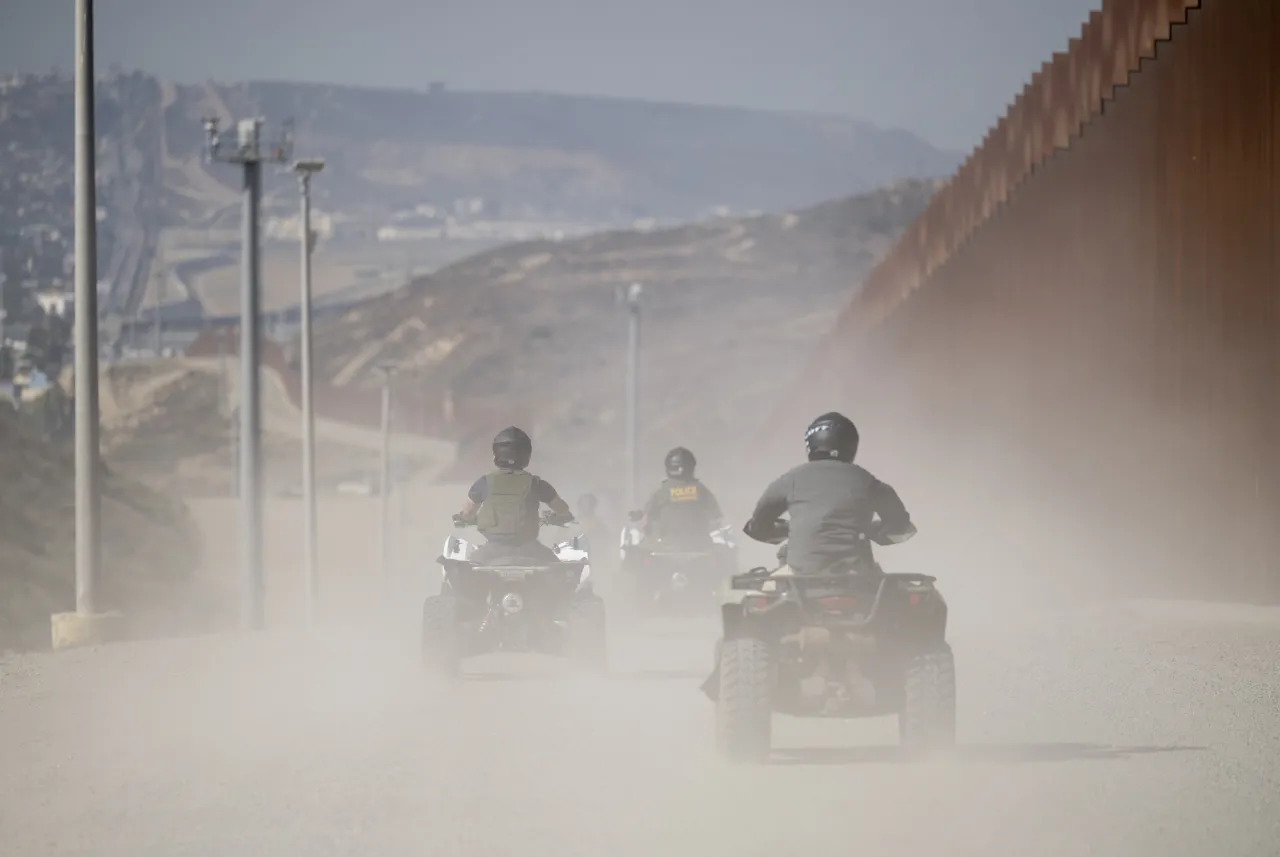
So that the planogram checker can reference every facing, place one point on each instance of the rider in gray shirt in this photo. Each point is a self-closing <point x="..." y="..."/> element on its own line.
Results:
<point x="832" y="503"/>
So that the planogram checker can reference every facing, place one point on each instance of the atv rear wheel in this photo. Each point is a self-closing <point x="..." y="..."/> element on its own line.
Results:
<point x="441" y="645"/>
<point x="744" y="709"/>
<point x="927" y="722"/>
<point x="587" y="634"/>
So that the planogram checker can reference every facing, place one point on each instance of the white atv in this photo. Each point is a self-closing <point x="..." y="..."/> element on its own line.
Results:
<point x="513" y="604"/>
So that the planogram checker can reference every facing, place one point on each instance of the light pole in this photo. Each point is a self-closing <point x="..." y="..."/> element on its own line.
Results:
<point x="305" y="170"/>
<point x="157" y="331"/>
<point x="248" y="149"/>
<point x="88" y="468"/>
<point x="386" y="369"/>
<point x="631" y="297"/>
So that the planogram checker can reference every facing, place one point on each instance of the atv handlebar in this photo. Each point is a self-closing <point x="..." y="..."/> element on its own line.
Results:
<point x="550" y="519"/>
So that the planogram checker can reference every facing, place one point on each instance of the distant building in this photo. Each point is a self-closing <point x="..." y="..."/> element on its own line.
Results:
<point x="406" y="233"/>
<point x="55" y="301"/>
<point x="15" y="336"/>
<point x="290" y="228"/>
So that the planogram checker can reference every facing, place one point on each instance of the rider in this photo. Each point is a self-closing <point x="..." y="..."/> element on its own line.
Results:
<point x="683" y="510"/>
<point x="504" y="504"/>
<point x="832" y="502"/>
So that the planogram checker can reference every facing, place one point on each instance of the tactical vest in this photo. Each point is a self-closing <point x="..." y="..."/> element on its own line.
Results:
<point x="682" y="514"/>
<point x="507" y="511"/>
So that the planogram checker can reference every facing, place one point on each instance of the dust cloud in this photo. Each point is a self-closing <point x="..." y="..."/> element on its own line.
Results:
<point x="1076" y="728"/>
<point x="1085" y="723"/>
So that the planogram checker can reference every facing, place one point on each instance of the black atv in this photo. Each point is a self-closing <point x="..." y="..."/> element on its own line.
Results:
<point x="844" y="644"/>
<point x="514" y="605"/>
<point x="673" y="578"/>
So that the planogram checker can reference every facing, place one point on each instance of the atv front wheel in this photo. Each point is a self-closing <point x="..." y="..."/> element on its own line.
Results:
<point x="587" y="634"/>
<point x="744" y="708"/>
<point x="441" y="646"/>
<point x="927" y="722"/>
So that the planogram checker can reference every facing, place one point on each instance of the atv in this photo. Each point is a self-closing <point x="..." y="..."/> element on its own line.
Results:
<point x="669" y="577"/>
<point x="514" y="605"/>
<point x="850" y="643"/>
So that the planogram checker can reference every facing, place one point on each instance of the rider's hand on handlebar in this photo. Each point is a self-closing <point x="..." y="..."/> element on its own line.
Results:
<point x="769" y="532"/>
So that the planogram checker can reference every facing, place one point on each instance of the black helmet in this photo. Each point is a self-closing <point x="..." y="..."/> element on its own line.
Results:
<point x="680" y="463"/>
<point x="831" y="435"/>
<point x="512" y="448"/>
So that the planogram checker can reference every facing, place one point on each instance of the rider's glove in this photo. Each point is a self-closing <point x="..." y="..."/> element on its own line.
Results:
<point x="766" y="531"/>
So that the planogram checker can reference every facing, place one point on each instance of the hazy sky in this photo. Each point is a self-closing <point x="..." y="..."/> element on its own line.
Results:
<point x="946" y="69"/>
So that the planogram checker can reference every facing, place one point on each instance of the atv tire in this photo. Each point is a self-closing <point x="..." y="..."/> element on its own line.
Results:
<point x="587" y="634"/>
<point x="441" y="646"/>
<point x="927" y="722"/>
<point x="744" y="708"/>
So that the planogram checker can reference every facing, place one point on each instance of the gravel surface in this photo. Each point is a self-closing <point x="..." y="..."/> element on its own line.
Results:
<point x="1130" y="730"/>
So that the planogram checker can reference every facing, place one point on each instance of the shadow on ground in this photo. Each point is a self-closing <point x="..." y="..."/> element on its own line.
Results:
<point x="510" y="676"/>
<point x="973" y="754"/>
<point x="675" y="674"/>
<point x="516" y="676"/>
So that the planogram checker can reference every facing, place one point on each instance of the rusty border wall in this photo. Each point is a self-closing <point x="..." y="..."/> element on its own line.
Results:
<point x="1094" y="292"/>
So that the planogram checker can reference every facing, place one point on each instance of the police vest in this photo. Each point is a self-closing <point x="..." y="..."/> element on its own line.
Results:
<point x="506" y="510"/>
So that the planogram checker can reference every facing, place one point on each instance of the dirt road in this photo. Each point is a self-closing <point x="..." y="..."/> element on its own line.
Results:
<point x="1134" y="730"/>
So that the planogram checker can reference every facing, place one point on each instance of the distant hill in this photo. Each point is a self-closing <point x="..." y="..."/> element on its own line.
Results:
<point x="573" y="156"/>
<point x="732" y="308"/>
<point x="527" y="154"/>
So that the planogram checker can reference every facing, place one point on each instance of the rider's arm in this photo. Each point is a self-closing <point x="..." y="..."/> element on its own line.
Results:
<point x="473" y="500"/>
<point x="546" y="494"/>
<point x="652" y="507"/>
<point x="896" y="526"/>
<point x="771" y="505"/>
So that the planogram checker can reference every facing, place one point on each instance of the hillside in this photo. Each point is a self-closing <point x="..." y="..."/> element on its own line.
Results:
<point x="151" y="548"/>
<point x="732" y="308"/>
<point x="566" y="156"/>
<point x="166" y="423"/>
<point x="414" y="180"/>
<point x="527" y="155"/>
